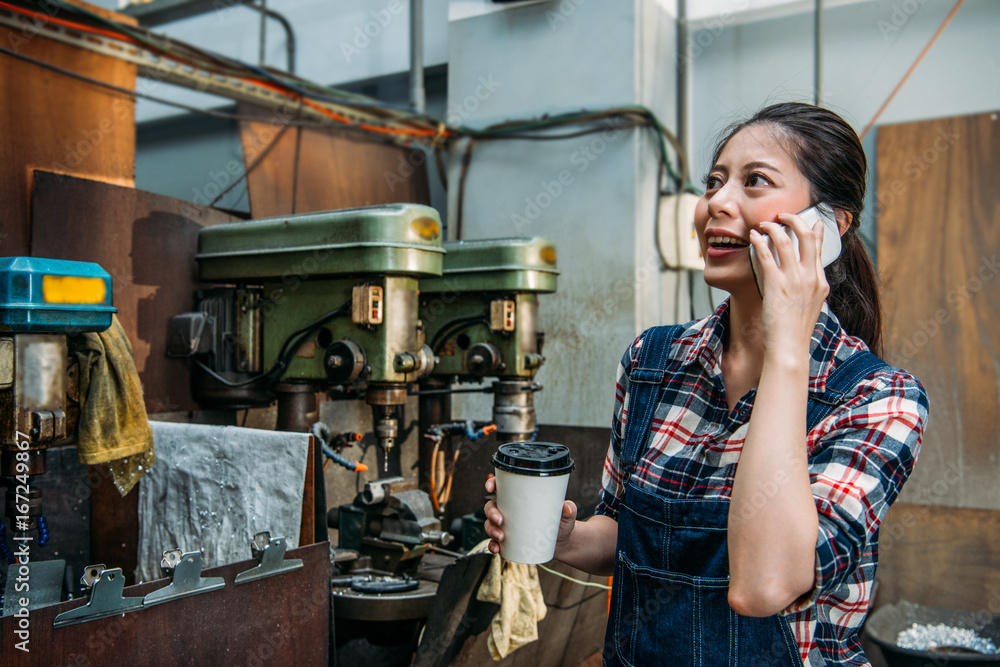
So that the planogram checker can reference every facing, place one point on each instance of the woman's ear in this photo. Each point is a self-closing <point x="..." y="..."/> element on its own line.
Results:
<point x="844" y="220"/>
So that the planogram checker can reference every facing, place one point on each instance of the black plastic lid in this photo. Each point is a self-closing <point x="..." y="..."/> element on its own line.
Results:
<point x="537" y="459"/>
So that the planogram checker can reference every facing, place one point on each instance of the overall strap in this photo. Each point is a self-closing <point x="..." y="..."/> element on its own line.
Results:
<point x="644" y="386"/>
<point x="842" y="380"/>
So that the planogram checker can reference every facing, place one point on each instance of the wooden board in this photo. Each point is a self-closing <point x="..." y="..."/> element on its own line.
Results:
<point x="589" y="445"/>
<point x="940" y="556"/>
<point x="335" y="170"/>
<point x="281" y="620"/>
<point x="57" y="123"/>
<point x="147" y="243"/>
<point x="938" y="242"/>
<point x="572" y="630"/>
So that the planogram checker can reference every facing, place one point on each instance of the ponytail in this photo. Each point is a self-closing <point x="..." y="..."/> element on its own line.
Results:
<point x="854" y="293"/>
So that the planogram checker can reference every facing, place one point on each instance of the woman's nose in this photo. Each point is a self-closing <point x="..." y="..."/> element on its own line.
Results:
<point x="722" y="202"/>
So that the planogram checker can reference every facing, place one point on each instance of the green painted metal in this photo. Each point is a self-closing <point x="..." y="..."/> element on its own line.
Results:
<point x="394" y="239"/>
<point x="496" y="265"/>
<point x="290" y="306"/>
<point x="438" y="311"/>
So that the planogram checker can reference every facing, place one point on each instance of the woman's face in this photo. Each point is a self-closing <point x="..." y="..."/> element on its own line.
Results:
<point x="754" y="180"/>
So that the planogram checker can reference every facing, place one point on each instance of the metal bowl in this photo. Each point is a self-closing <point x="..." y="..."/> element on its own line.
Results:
<point x="885" y="624"/>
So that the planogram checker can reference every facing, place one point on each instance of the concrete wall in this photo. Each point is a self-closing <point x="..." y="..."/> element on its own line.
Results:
<point x="593" y="195"/>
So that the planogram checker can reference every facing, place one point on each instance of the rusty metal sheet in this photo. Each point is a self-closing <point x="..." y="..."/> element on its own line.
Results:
<point x="147" y="243"/>
<point x="335" y="169"/>
<point x="51" y="121"/>
<point x="281" y="620"/>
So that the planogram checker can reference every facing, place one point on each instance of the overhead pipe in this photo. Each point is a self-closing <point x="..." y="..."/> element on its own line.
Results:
<point x="289" y="32"/>
<point x="417" y="94"/>
<point x="683" y="78"/>
<point x="818" y="55"/>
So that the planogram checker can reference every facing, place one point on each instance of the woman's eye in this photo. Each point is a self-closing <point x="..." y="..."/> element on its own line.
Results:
<point x="755" y="180"/>
<point x="713" y="182"/>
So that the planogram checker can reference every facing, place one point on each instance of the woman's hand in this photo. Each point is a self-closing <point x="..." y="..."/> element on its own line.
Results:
<point x="494" y="521"/>
<point x="793" y="292"/>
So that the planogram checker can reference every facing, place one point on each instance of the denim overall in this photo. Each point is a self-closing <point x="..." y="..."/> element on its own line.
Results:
<point x="669" y="604"/>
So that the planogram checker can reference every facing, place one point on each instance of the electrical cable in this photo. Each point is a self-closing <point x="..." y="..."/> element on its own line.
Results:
<point x="125" y="91"/>
<point x="445" y="331"/>
<point x="937" y="33"/>
<point x="43" y="530"/>
<point x="295" y="168"/>
<point x="460" y="204"/>
<point x="591" y="584"/>
<point x="253" y="165"/>
<point x="299" y="90"/>
<point x="272" y="82"/>
<point x="575" y="604"/>
<point x="460" y="324"/>
<point x="288" y="348"/>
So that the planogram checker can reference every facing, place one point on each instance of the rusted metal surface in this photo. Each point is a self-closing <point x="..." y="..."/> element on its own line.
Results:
<point x="281" y="620"/>
<point x="58" y="123"/>
<point x="147" y="243"/>
<point x="310" y="169"/>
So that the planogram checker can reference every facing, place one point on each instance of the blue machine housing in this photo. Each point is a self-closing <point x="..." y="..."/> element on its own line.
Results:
<point x="23" y="308"/>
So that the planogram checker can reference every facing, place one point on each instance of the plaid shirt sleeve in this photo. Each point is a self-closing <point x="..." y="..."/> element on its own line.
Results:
<point x="612" y="484"/>
<point x="859" y="458"/>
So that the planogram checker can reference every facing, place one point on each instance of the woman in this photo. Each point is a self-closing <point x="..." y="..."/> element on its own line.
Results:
<point x="754" y="453"/>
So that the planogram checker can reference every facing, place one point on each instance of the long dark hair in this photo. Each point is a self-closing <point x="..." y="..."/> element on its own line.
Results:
<point x="829" y="154"/>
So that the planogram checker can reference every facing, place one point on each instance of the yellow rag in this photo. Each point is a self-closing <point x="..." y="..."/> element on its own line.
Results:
<point x="113" y="423"/>
<point x="516" y="589"/>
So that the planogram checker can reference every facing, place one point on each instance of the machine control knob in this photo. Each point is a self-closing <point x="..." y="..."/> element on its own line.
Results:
<point x="482" y="359"/>
<point x="344" y="360"/>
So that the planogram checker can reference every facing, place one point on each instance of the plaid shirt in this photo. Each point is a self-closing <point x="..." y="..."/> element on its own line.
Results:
<point x="859" y="457"/>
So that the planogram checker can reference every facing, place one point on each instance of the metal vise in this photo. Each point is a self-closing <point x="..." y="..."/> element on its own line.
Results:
<point x="392" y="522"/>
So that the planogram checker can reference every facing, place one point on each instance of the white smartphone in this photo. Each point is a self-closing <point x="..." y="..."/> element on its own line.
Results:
<point x="831" y="240"/>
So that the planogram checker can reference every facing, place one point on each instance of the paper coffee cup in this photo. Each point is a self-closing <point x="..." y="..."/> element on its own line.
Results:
<point x="531" y="487"/>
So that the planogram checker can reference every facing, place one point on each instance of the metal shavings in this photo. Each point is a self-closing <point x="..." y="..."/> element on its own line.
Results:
<point x="923" y="637"/>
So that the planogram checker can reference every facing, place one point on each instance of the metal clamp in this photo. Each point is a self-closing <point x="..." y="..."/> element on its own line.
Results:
<point x="106" y="598"/>
<point x="185" y="572"/>
<point x="270" y="555"/>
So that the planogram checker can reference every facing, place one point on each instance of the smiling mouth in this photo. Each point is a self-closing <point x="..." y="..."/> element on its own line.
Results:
<point x="726" y="242"/>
